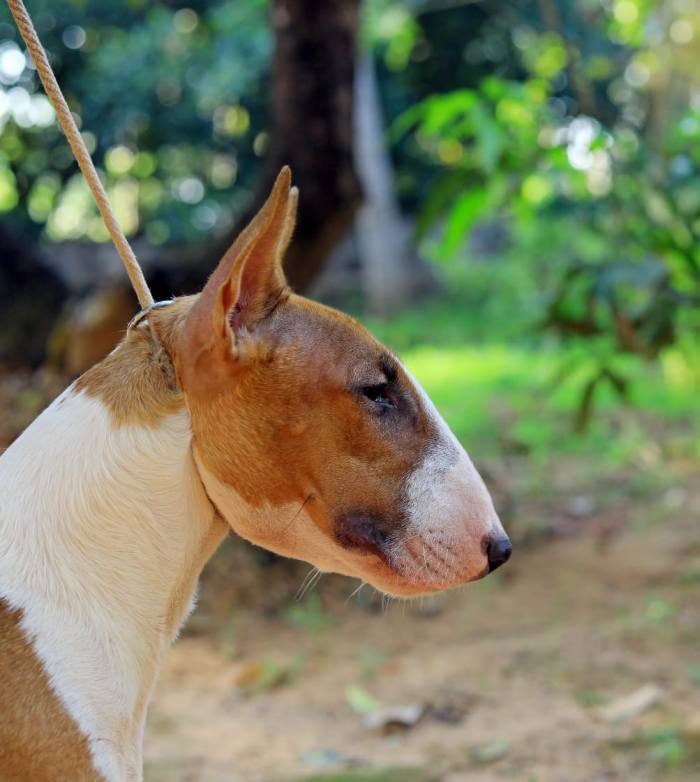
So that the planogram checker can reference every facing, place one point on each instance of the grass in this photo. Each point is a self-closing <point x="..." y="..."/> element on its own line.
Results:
<point x="517" y="393"/>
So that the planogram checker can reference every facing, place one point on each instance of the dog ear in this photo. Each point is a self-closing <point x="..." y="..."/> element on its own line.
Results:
<point x="248" y="281"/>
<point x="254" y="280"/>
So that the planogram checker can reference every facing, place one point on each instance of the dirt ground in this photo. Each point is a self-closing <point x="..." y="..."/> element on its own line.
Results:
<point x="524" y="676"/>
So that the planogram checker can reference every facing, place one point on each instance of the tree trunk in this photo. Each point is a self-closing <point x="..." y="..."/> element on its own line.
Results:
<point x="382" y="236"/>
<point x="31" y="296"/>
<point x="312" y="128"/>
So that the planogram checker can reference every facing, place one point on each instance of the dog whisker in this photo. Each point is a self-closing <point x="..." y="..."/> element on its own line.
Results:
<point x="310" y="580"/>
<point x="356" y="591"/>
<point x="386" y="599"/>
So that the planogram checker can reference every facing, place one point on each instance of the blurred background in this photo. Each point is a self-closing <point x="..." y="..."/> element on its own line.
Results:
<point x="508" y="193"/>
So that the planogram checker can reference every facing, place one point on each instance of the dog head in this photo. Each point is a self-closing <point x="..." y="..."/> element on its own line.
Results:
<point x="314" y="441"/>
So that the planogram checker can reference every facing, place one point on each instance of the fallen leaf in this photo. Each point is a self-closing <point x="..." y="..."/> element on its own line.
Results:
<point x="261" y="675"/>
<point x="361" y="701"/>
<point x="452" y="708"/>
<point x="394" y="719"/>
<point x="329" y="758"/>
<point x="490" y="753"/>
<point x="633" y="704"/>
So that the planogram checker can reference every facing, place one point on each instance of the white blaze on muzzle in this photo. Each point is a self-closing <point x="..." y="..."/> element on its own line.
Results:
<point x="449" y="512"/>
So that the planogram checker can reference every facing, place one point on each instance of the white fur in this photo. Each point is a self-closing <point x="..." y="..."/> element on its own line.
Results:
<point x="99" y="525"/>
<point x="447" y="505"/>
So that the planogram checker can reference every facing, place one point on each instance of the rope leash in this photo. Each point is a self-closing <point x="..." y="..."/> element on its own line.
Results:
<point x="80" y="151"/>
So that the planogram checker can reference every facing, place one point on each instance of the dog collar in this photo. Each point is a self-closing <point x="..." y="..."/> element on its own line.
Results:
<point x="141" y="316"/>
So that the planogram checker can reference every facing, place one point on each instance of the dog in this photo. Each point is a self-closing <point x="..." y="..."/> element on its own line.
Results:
<point x="244" y="408"/>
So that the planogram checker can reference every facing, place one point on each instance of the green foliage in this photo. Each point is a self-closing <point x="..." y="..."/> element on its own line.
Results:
<point x="487" y="373"/>
<point x="171" y="102"/>
<point x="667" y="747"/>
<point x="603" y="206"/>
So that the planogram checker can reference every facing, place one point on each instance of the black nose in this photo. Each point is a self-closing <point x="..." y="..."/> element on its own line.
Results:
<point x="498" y="552"/>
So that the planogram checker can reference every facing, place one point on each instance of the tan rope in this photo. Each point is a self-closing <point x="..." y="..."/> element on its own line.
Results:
<point x="41" y="61"/>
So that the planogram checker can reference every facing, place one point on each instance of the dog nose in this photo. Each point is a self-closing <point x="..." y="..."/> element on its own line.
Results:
<point x="498" y="552"/>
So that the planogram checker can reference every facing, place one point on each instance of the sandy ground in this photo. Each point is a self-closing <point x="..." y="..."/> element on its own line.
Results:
<point x="515" y="673"/>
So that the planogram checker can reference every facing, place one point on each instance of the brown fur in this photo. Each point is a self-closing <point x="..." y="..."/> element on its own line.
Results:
<point x="325" y="446"/>
<point x="273" y="386"/>
<point x="137" y="381"/>
<point x="39" y="742"/>
<point x="328" y="453"/>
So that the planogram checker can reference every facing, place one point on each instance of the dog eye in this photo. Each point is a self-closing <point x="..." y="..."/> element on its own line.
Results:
<point x="379" y="395"/>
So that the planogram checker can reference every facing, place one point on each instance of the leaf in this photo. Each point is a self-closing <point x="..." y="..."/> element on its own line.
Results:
<point x="469" y="207"/>
<point x="394" y="719"/>
<point x="618" y="382"/>
<point x="633" y="704"/>
<point x="325" y="758"/>
<point x="490" y="753"/>
<point x="405" y="122"/>
<point x="438" y="200"/>
<point x="583" y="414"/>
<point x="360" y="700"/>
<point x="260" y="676"/>
<point x="442" y="110"/>
<point x="490" y="138"/>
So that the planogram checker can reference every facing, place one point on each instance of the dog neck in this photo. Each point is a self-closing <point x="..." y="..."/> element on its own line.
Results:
<point x="105" y="527"/>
